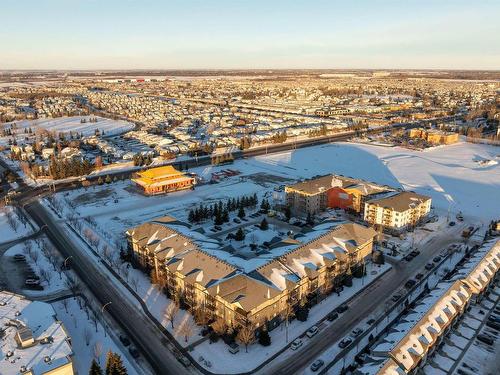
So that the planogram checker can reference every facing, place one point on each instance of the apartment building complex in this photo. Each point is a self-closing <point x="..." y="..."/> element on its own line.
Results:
<point x="413" y="340"/>
<point x="162" y="180"/>
<point x="398" y="211"/>
<point x="260" y="296"/>
<point x="435" y="137"/>
<point x="331" y="191"/>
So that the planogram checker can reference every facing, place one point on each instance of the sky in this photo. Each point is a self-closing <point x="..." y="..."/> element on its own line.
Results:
<point x="252" y="34"/>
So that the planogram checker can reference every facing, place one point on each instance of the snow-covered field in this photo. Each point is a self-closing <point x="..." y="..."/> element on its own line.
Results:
<point x="11" y="227"/>
<point x="73" y="123"/>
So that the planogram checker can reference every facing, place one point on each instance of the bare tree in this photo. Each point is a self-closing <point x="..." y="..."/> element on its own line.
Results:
<point x="125" y="271"/>
<point x="201" y="316"/>
<point x="186" y="328"/>
<point x="72" y="284"/>
<point x="34" y="255"/>
<point x="94" y="318"/>
<point x="219" y="326"/>
<point x="171" y="312"/>
<point x="135" y="283"/>
<point x="246" y="336"/>
<point x="65" y="304"/>
<point x="28" y="247"/>
<point x="97" y="351"/>
<point x="45" y="275"/>
<point x="87" y="335"/>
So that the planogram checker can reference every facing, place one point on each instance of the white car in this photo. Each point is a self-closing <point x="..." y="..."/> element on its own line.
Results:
<point x="297" y="343"/>
<point x="356" y="332"/>
<point x="312" y="331"/>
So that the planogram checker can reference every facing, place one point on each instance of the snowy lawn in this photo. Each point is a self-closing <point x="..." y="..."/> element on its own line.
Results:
<point x="88" y="343"/>
<point x="11" y="227"/>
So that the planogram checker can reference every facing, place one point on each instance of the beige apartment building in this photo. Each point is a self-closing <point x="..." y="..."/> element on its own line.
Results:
<point x="397" y="212"/>
<point x="434" y="136"/>
<point x="202" y="281"/>
<point x="331" y="191"/>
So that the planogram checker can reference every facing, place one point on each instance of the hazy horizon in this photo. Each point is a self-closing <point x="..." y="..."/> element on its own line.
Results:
<point x="244" y="35"/>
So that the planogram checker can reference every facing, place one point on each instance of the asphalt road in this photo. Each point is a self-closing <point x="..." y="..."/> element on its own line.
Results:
<point x="370" y="301"/>
<point x="138" y="327"/>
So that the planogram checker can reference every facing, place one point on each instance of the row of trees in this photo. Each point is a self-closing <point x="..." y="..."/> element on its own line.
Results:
<point x="219" y="212"/>
<point x="140" y="160"/>
<point x="63" y="168"/>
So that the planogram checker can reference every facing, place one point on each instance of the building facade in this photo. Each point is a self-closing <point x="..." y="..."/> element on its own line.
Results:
<point x="260" y="297"/>
<point x="163" y="180"/>
<point x="397" y="212"/>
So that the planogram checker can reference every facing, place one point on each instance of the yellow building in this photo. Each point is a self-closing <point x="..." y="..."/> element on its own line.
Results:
<point x="398" y="211"/>
<point x="163" y="180"/>
<point x="202" y="281"/>
<point x="435" y="137"/>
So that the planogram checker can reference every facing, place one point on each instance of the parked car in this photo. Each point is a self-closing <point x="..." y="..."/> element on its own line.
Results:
<point x="356" y="332"/>
<point x="370" y="322"/>
<point x="312" y="331"/>
<point x="316" y="365"/>
<point x="186" y="362"/>
<point x="345" y="343"/>
<point x="419" y="276"/>
<point x="410" y="283"/>
<point x="451" y="223"/>
<point x="485" y="339"/>
<point x="30" y="282"/>
<point x="332" y="316"/>
<point x="342" y="308"/>
<point x="409" y="258"/>
<point x="125" y="341"/>
<point x="236" y="220"/>
<point x="20" y="258"/>
<point x="297" y="343"/>
<point x="494" y="318"/>
<point x="429" y="266"/>
<point x="436" y="259"/>
<point x="396" y="297"/>
<point x="134" y="352"/>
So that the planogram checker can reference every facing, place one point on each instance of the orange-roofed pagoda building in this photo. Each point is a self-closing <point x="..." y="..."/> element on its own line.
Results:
<point x="163" y="180"/>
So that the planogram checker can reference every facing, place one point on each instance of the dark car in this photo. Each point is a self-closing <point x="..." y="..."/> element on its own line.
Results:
<point x="370" y="322"/>
<point x="410" y="283"/>
<point x="494" y="318"/>
<point x="409" y="257"/>
<point x="429" y="266"/>
<point x="493" y="325"/>
<point x="436" y="259"/>
<point x="451" y="223"/>
<point x="19" y="258"/>
<point x="396" y="297"/>
<point x="134" y="352"/>
<point x="485" y="339"/>
<point x="125" y="341"/>
<point x="419" y="275"/>
<point x="332" y="316"/>
<point x="342" y="308"/>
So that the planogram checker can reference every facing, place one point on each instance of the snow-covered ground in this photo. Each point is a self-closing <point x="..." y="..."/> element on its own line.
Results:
<point x="82" y="329"/>
<point x="73" y="123"/>
<point x="11" y="227"/>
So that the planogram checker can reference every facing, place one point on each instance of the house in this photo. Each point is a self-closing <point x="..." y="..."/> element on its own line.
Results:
<point x="398" y="211"/>
<point x="162" y="180"/>
<point x="47" y="153"/>
<point x="34" y="342"/>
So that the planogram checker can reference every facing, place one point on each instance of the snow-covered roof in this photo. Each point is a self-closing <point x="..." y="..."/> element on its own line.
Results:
<point x="19" y="314"/>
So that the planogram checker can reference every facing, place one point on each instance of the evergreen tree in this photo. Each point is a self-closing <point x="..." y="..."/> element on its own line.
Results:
<point x="100" y="181"/>
<point x="264" y="225"/>
<point x="108" y="179"/>
<point x="95" y="369"/>
<point x="225" y="216"/>
<point x="191" y="216"/>
<point x="264" y="338"/>
<point x="218" y="218"/>
<point x="240" y="235"/>
<point x="114" y="365"/>
<point x="241" y="212"/>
